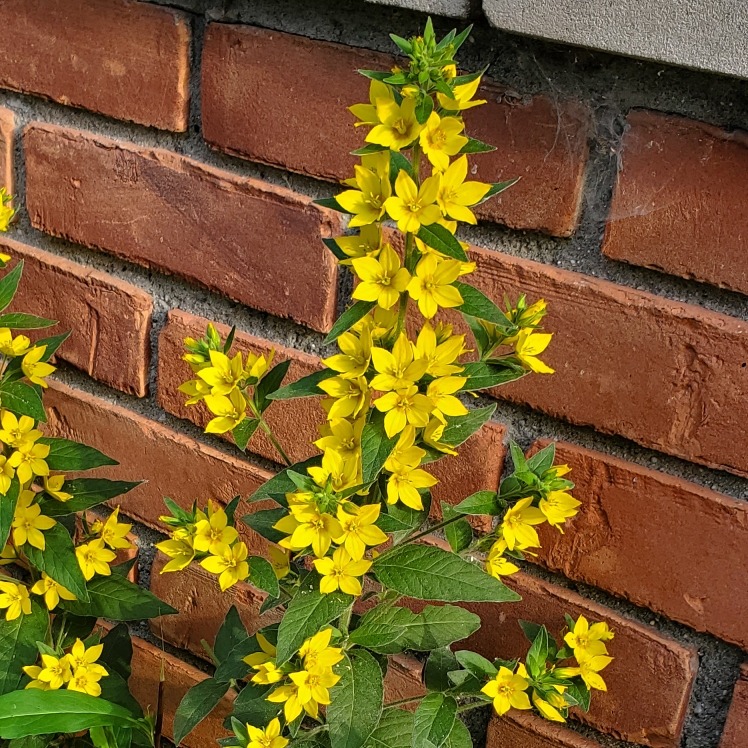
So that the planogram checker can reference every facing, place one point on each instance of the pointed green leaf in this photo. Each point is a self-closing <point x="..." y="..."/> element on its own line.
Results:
<point x="304" y="387"/>
<point x="66" y="455"/>
<point x="369" y="149"/>
<point x="477" y="304"/>
<point x="376" y="447"/>
<point x="330" y="203"/>
<point x="459" y="737"/>
<point x="442" y="240"/>
<point x="334" y="247"/>
<point x="347" y="319"/>
<point x="9" y="285"/>
<point x="498" y="187"/>
<point x="375" y="75"/>
<point x="87" y="492"/>
<point x="23" y="400"/>
<point x="459" y="534"/>
<point x="438" y="666"/>
<point x="231" y="633"/>
<point x="433" y="721"/>
<point x="244" y="432"/>
<point x="251" y="707"/>
<point x="18" y="646"/>
<point x="476" y="146"/>
<point x="482" y="375"/>
<point x="399" y="163"/>
<point x="459" y="429"/>
<point x="270" y="383"/>
<point x="543" y="460"/>
<point x="262" y="523"/>
<point x="8" y="509"/>
<point x="482" y="502"/>
<point x="20" y="321"/>
<point x="476" y="665"/>
<point x="196" y="705"/>
<point x="51" y="344"/>
<point x="262" y="576"/>
<point x="281" y="484"/>
<point x="395" y="730"/>
<point x="58" y="560"/>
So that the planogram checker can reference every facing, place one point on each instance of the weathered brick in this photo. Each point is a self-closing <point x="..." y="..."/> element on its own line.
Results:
<point x="654" y="539"/>
<point x="677" y="205"/>
<point x="667" y="375"/>
<point x="7" y="124"/>
<point x="281" y="84"/>
<point x="526" y="730"/>
<point x="736" y="729"/>
<point x="123" y="59"/>
<point x="172" y="464"/>
<point x="109" y="320"/>
<point x="240" y="237"/>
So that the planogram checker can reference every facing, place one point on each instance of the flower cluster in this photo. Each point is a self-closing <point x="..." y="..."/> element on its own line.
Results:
<point x="76" y="670"/>
<point x="6" y="212"/>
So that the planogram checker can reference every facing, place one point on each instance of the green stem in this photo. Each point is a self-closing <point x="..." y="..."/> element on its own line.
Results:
<point x="474" y="705"/>
<point x="345" y="620"/>
<point x="266" y="429"/>
<point x="410" y="700"/>
<point x="437" y="526"/>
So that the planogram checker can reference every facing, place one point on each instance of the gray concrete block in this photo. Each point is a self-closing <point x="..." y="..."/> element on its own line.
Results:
<point x="450" y="8"/>
<point x="703" y="34"/>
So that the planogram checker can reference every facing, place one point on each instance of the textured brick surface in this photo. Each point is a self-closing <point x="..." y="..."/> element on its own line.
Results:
<point x="173" y="465"/>
<point x="526" y="730"/>
<point x="679" y="189"/>
<point x="668" y="375"/>
<point x="280" y="83"/>
<point x="659" y="541"/>
<point x="109" y="320"/>
<point x="7" y="123"/>
<point x="123" y="59"/>
<point x="240" y="237"/>
<point x="736" y="729"/>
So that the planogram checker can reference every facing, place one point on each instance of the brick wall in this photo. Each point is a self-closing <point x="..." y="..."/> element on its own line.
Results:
<point x="165" y="161"/>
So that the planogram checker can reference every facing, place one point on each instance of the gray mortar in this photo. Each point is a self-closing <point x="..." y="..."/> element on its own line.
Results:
<point x="610" y="85"/>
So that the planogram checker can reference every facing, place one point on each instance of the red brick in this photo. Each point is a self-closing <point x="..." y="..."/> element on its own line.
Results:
<point x="736" y="729"/>
<point x="649" y="682"/>
<point x="656" y="540"/>
<point x="7" y="124"/>
<point x="173" y="465"/>
<point x="403" y="680"/>
<point x="527" y="730"/>
<point x="123" y="59"/>
<point x="667" y="375"/>
<point x="240" y="237"/>
<point x="677" y="204"/>
<point x="109" y="320"/>
<point x="294" y="92"/>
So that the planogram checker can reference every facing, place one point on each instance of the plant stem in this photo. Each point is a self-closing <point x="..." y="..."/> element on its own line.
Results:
<point x="345" y="620"/>
<point x="437" y="526"/>
<point x="266" y="429"/>
<point x="474" y="705"/>
<point x="410" y="700"/>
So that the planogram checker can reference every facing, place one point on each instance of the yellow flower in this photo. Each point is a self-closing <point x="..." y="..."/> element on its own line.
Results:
<point x="403" y="407"/>
<point x="112" y="532"/>
<point x="405" y="453"/>
<point x="498" y="566"/>
<point x="366" y="204"/>
<point x="213" y="534"/>
<point x="382" y="279"/>
<point x="33" y="672"/>
<point x="588" y="640"/>
<point x="440" y="358"/>
<point x="28" y="522"/>
<point x="398" y="126"/>
<point x="56" y="671"/>
<point x="280" y="560"/>
<point x="440" y="393"/>
<point x="195" y="389"/>
<point x="413" y="206"/>
<point x="440" y="139"/>
<point x="343" y="437"/>
<point x="52" y="591"/>
<point x="85" y="681"/>
<point x="224" y="374"/>
<point x="6" y="474"/>
<point x="341" y="473"/>
<point x="517" y="526"/>
<point x="589" y="668"/>
<point x="28" y="460"/>
<point x="10" y="346"/>
<point x="558" y="506"/>
<point x="14" y="597"/>
<point x="350" y="396"/>
<point x="433" y="433"/>
<point x="180" y="550"/>
<point x="53" y="486"/>
<point x="432" y="287"/>
<point x="379" y="322"/>
<point x="356" y="354"/>
<point x="317" y="652"/>
<point x="463" y="95"/>
<point x="455" y="194"/>
<point x="397" y="370"/>
<point x="508" y="690"/>
<point x="94" y="558"/>
<point x="267" y="673"/>
<point x="230" y="412"/>
<point x="359" y="529"/>
<point x="6" y="212"/>
<point x="266" y="654"/>
<point x="270" y="737"/>
<point x="34" y="369"/>
<point x="257" y="366"/>
<point x="404" y="483"/>
<point x="16" y="432"/>
<point x="307" y="526"/>
<point x="367" y="113"/>
<point x="341" y="572"/>
<point x="548" y="710"/>
<point x="9" y="554"/>
<point x="529" y="346"/>
<point x="367" y="243"/>
<point x="292" y="707"/>
<point x="231" y="565"/>
<point x="313" y="685"/>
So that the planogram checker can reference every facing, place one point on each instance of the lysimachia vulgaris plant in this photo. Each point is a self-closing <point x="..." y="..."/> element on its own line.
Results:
<point x="61" y="682"/>
<point x="350" y="555"/>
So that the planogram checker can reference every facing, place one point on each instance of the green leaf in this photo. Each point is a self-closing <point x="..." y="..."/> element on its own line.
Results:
<point x="231" y="633"/>
<point x="433" y="721"/>
<point x="281" y="484"/>
<point x="114" y="688"/>
<point x="331" y="203"/>
<point x="244" y="432"/>
<point x="424" y="108"/>
<point x="9" y="285"/>
<point x="117" y="598"/>
<point x="369" y="149"/>
<point x="477" y="304"/>
<point x="442" y="240"/>
<point x="538" y="653"/>
<point x="518" y="458"/>
<point x="459" y="737"/>
<point x="399" y="163"/>
<point x="304" y="387"/>
<point x="479" y="333"/>
<point x="357" y="700"/>
<point x="117" y="652"/>
<point x="196" y="705"/>
<point x="346" y="321"/>
<point x="530" y="630"/>
<point x="307" y="613"/>
<point x="476" y="665"/>
<point x="388" y="523"/>
<point x="262" y="523"/>
<point x="334" y="247"/>
<point x="59" y="561"/>
<point x="498" y="187"/>
<point x="23" y="400"/>
<point x="438" y="666"/>
<point x="18" y="646"/>
<point x="404" y="44"/>
<point x="76" y="627"/>
<point x="543" y="460"/>
<point x="51" y="344"/>
<point x="87" y="492"/>
<point x="262" y="576"/>
<point x="251" y="707"/>
<point x="482" y="502"/>
<point x="20" y="321"/>
<point x="375" y="75"/>
<point x="270" y="383"/>
<point x="8" y="510"/>
<point x="66" y="455"/>
<point x="482" y="375"/>
<point x="459" y="534"/>
<point x="428" y="573"/>
<point x="395" y="730"/>
<point x="35" y="712"/>
<point x="376" y="447"/>
<point x="476" y="146"/>
<point x="580" y="693"/>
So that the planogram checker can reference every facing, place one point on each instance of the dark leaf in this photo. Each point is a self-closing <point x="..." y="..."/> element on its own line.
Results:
<point x="442" y="240"/>
<point x="346" y="321"/>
